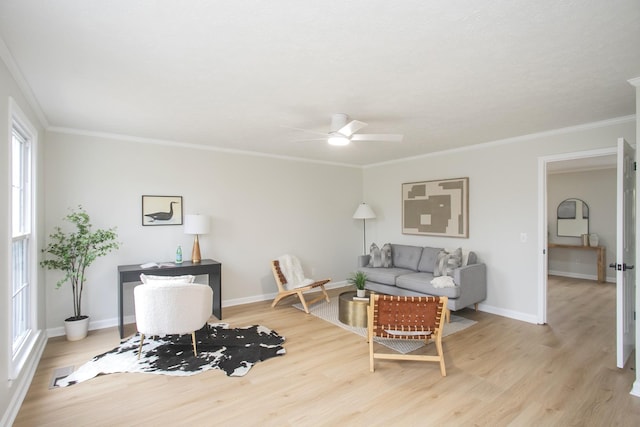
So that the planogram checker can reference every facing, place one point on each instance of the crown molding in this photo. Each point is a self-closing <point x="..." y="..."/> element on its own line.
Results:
<point x="14" y="70"/>
<point x="517" y="139"/>
<point x="177" y="144"/>
<point x="513" y="140"/>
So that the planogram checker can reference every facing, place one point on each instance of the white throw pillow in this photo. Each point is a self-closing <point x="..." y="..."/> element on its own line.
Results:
<point x="187" y="278"/>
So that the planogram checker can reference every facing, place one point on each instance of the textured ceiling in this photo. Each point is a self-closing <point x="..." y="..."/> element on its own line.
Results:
<point x="236" y="74"/>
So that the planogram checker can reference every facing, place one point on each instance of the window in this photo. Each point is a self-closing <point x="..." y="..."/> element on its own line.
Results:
<point x="22" y="293"/>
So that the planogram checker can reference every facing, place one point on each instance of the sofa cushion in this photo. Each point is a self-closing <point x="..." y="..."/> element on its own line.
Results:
<point x="428" y="259"/>
<point x="386" y="276"/>
<point x="421" y="282"/>
<point x="447" y="262"/>
<point x="405" y="256"/>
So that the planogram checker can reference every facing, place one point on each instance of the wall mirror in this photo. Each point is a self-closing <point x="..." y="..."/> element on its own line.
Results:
<point x="573" y="218"/>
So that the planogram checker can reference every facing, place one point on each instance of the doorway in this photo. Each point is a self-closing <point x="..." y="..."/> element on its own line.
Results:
<point x="569" y="161"/>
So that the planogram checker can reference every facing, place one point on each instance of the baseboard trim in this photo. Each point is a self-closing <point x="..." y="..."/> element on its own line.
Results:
<point x="109" y="323"/>
<point x="511" y="314"/>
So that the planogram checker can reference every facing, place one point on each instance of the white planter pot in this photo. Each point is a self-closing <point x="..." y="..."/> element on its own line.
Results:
<point x="361" y="293"/>
<point x="76" y="329"/>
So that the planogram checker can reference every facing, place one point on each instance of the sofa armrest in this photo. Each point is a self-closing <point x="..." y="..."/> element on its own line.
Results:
<point x="363" y="260"/>
<point x="472" y="280"/>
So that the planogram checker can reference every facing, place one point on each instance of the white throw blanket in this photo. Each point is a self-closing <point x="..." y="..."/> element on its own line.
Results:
<point x="443" y="282"/>
<point x="292" y="270"/>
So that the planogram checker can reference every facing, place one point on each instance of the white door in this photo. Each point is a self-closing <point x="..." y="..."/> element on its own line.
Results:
<point x="625" y="253"/>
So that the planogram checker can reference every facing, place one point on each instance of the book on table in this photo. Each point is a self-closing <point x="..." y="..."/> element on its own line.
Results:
<point x="157" y="265"/>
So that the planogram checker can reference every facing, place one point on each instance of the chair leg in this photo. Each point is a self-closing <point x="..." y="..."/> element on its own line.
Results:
<point x="370" y="334"/>
<point x="277" y="299"/>
<point x="303" y="301"/>
<point x="371" y="367"/>
<point x="193" y="340"/>
<point x="447" y="315"/>
<point x="443" y="370"/>
<point x="140" y="348"/>
<point x="326" y="295"/>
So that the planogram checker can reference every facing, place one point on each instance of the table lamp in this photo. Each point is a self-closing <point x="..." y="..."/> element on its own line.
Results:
<point x="196" y="224"/>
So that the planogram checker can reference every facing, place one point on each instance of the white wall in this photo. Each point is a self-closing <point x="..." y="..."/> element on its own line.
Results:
<point x="597" y="188"/>
<point x="261" y="207"/>
<point x="11" y="392"/>
<point x="503" y="185"/>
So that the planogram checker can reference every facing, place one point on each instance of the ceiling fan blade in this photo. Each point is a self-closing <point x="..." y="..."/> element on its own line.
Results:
<point x="308" y="131"/>
<point x="312" y="139"/>
<point x="352" y="127"/>
<point x="391" y="137"/>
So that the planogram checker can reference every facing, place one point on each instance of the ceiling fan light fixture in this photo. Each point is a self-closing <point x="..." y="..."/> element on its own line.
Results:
<point x="338" y="140"/>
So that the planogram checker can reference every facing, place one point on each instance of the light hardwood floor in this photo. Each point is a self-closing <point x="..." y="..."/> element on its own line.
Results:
<point x="499" y="372"/>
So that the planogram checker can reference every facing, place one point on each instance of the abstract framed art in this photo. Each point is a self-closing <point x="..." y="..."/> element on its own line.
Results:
<point x="436" y="208"/>
<point x="161" y="210"/>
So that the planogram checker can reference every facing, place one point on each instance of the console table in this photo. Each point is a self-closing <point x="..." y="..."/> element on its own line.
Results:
<point x="131" y="273"/>
<point x="600" y="250"/>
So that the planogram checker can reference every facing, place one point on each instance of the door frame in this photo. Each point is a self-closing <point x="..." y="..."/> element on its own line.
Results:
<point x="543" y="220"/>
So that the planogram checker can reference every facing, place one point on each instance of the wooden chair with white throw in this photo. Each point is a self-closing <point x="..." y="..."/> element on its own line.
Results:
<point x="171" y="305"/>
<point x="403" y="317"/>
<point x="290" y="279"/>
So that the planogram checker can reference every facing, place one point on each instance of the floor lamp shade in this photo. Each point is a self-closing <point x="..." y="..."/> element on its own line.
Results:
<point x="196" y="224"/>
<point x="364" y="212"/>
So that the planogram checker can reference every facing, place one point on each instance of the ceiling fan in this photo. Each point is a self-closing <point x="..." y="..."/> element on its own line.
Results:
<point x="343" y="131"/>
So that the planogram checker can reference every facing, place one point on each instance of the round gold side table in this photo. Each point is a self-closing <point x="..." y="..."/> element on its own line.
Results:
<point x="352" y="312"/>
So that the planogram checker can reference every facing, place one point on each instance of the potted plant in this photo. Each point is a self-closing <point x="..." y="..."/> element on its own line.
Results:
<point x="359" y="279"/>
<point x="72" y="252"/>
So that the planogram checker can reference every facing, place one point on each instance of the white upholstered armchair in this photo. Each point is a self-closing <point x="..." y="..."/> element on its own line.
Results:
<point x="172" y="308"/>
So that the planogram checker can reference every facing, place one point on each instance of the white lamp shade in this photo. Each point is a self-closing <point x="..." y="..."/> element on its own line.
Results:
<point x="196" y="224"/>
<point x="364" y="211"/>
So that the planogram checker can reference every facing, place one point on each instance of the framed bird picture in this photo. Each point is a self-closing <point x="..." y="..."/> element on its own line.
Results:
<point x="161" y="210"/>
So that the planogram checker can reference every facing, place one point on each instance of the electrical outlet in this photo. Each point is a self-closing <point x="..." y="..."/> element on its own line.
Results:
<point x="523" y="237"/>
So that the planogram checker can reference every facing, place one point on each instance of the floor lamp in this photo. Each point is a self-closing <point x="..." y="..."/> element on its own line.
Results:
<point x="364" y="212"/>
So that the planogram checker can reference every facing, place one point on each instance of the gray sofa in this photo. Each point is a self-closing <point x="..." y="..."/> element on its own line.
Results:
<point x="412" y="271"/>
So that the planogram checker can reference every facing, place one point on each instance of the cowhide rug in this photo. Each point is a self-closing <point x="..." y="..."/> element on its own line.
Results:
<point x="233" y="350"/>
